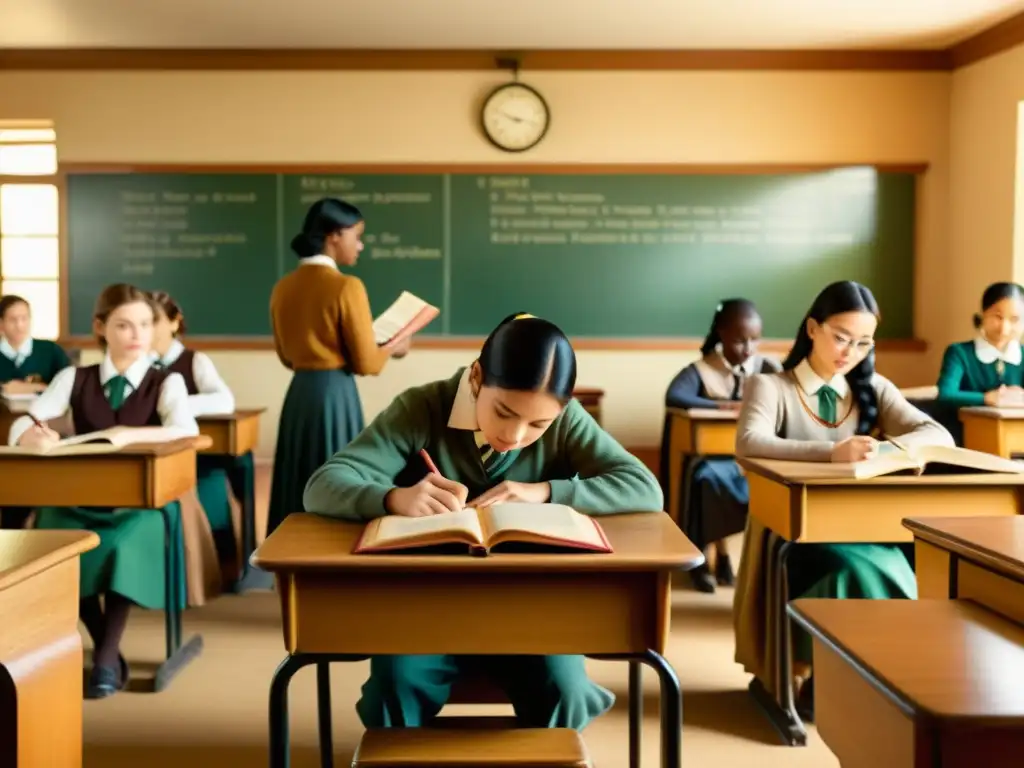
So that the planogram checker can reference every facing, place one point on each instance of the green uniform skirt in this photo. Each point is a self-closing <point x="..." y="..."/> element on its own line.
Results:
<point x="322" y="414"/>
<point x="130" y="558"/>
<point x="848" y="571"/>
<point x="546" y="691"/>
<point x="212" y="489"/>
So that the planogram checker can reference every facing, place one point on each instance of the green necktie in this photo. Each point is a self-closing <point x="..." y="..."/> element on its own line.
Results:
<point x="827" y="409"/>
<point x="115" y="390"/>
<point x="158" y="365"/>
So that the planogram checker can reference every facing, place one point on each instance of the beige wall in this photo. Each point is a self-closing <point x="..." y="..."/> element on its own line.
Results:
<point x="684" y="117"/>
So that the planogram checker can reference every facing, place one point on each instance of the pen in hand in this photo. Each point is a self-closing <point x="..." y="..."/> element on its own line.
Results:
<point x="429" y="461"/>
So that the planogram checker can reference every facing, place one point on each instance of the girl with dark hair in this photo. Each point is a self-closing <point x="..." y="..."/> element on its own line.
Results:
<point x="504" y="429"/>
<point x="716" y="499"/>
<point x="26" y="364"/>
<point x="127" y="568"/>
<point x="828" y="404"/>
<point x="988" y="370"/>
<point x="323" y="331"/>
<point x="208" y="395"/>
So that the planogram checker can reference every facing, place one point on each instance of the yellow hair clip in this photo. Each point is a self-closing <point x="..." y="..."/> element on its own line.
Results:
<point x="524" y="316"/>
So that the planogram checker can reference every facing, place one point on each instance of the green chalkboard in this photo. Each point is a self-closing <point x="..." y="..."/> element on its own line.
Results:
<point x="602" y="255"/>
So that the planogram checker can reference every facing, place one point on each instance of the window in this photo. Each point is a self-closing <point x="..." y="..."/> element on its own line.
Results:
<point x="30" y="221"/>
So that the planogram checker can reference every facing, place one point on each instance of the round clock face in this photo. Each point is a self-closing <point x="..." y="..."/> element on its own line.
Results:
<point x="515" y="117"/>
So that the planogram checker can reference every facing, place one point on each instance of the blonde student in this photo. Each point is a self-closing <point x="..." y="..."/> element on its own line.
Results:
<point x="988" y="369"/>
<point x="828" y="404"/>
<point x="127" y="568"/>
<point x="718" y="495"/>
<point x="504" y="429"/>
<point x="323" y="332"/>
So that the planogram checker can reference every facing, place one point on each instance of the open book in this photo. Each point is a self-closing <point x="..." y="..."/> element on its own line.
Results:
<point x="893" y="459"/>
<point x="552" y="526"/>
<point x="105" y="441"/>
<point x="408" y="315"/>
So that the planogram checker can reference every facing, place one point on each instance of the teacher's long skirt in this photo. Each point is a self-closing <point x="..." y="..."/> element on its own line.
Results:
<point x="130" y="557"/>
<point x="322" y="414"/>
<point x="717" y="503"/>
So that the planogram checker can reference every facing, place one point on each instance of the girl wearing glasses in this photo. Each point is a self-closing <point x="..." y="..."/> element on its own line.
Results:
<point x="988" y="370"/>
<point x="828" y="404"/>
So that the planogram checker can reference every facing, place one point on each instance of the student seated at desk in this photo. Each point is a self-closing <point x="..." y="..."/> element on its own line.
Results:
<point x="208" y="395"/>
<point x="27" y="365"/>
<point x="828" y="404"/>
<point x="988" y="370"/>
<point x="718" y="495"/>
<point x="125" y="390"/>
<point x="505" y="429"/>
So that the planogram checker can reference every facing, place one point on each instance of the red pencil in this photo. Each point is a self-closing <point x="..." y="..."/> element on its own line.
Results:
<point x="36" y="421"/>
<point x="429" y="461"/>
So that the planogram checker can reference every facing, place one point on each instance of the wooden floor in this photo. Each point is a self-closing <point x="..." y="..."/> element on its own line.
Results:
<point x="215" y="714"/>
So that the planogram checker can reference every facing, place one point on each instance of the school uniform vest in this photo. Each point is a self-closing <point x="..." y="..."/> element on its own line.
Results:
<point x="184" y="366"/>
<point x="92" y="412"/>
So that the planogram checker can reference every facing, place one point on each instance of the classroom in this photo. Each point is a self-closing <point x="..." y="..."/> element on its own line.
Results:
<point x="296" y="101"/>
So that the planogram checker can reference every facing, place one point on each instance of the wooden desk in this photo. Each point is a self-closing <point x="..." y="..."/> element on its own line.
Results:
<point x="972" y="558"/>
<point x="141" y="477"/>
<point x="916" y="683"/>
<point x="692" y="433"/>
<point x="40" y="648"/>
<point x="235" y="436"/>
<point x="800" y="509"/>
<point x="590" y="398"/>
<point x="999" y="431"/>
<point x="610" y="605"/>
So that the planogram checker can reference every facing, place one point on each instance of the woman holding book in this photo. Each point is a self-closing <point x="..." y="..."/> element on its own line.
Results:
<point x="828" y="405"/>
<point x="124" y="390"/>
<point x="716" y="506"/>
<point x="504" y="429"/>
<point x="208" y="395"/>
<point x="323" y="332"/>
<point x="988" y="370"/>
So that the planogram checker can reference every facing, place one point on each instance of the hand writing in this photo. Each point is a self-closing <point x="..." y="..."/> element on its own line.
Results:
<point x="535" y="493"/>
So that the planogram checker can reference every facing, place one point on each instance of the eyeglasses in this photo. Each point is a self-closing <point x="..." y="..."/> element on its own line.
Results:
<point x="861" y="347"/>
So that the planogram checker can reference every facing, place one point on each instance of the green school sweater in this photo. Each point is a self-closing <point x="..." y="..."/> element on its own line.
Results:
<point x="964" y="379"/>
<point x="46" y="361"/>
<point x="587" y="468"/>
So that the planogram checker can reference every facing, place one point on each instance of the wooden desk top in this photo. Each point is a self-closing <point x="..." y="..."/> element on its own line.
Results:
<point x="240" y="414"/>
<point x="997" y="542"/>
<point x="987" y="412"/>
<point x="23" y="554"/>
<point x="795" y="473"/>
<point x="136" y="450"/>
<point x="705" y="414"/>
<point x="946" y="659"/>
<point x="647" y="541"/>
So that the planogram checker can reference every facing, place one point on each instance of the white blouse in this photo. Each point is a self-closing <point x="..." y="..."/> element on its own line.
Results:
<point x="214" y="397"/>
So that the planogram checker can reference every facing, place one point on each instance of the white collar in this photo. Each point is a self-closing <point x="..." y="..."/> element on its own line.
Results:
<point x="463" y="415"/>
<point x="135" y="374"/>
<point x="810" y="382"/>
<point x="320" y="260"/>
<point x="988" y="353"/>
<point x="173" y="353"/>
<point x="25" y="350"/>
<point x="746" y="367"/>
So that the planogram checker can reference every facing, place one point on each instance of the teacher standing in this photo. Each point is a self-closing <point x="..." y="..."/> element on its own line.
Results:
<point x="323" y="331"/>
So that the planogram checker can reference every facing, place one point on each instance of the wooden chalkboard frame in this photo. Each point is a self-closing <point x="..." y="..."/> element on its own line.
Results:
<point x="426" y="341"/>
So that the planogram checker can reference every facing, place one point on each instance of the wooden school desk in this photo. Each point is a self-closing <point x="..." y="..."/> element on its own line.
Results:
<point x="971" y="558"/>
<point x="40" y="648"/>
<point x="999" y="431"/>
<point x="916" y="683"/>
<point x="615" y="605"/>
<point x="235" y="436"/>
<point x="139" y="477"/>
<point x="695" y="432"/>
<point x="804" y="510"/>
<point x="590" y="398"/>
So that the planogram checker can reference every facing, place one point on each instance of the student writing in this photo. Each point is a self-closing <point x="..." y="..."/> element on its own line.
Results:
<point x="718" y="494"/>
<point x="323" y="331"/>
<point x="827" y="405"/>
<point x="505" y="429"/>
<point x="987" y="370"/>
<point x="128" y="565"/>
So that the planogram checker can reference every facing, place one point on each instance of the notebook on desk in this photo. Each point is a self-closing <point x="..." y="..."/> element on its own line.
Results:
<point x="515" y="525"/>
<point x="104" y="441"/>
<point x="407" y="316"/>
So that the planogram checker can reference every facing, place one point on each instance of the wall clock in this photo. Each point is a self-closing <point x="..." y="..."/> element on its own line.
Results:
<point x="515" y="117"/>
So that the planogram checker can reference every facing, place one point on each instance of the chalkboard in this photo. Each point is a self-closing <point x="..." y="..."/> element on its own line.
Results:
<point x="602" y="254"/>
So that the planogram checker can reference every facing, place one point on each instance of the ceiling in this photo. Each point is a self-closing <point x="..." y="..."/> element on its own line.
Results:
<point x="490" y="25"/>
